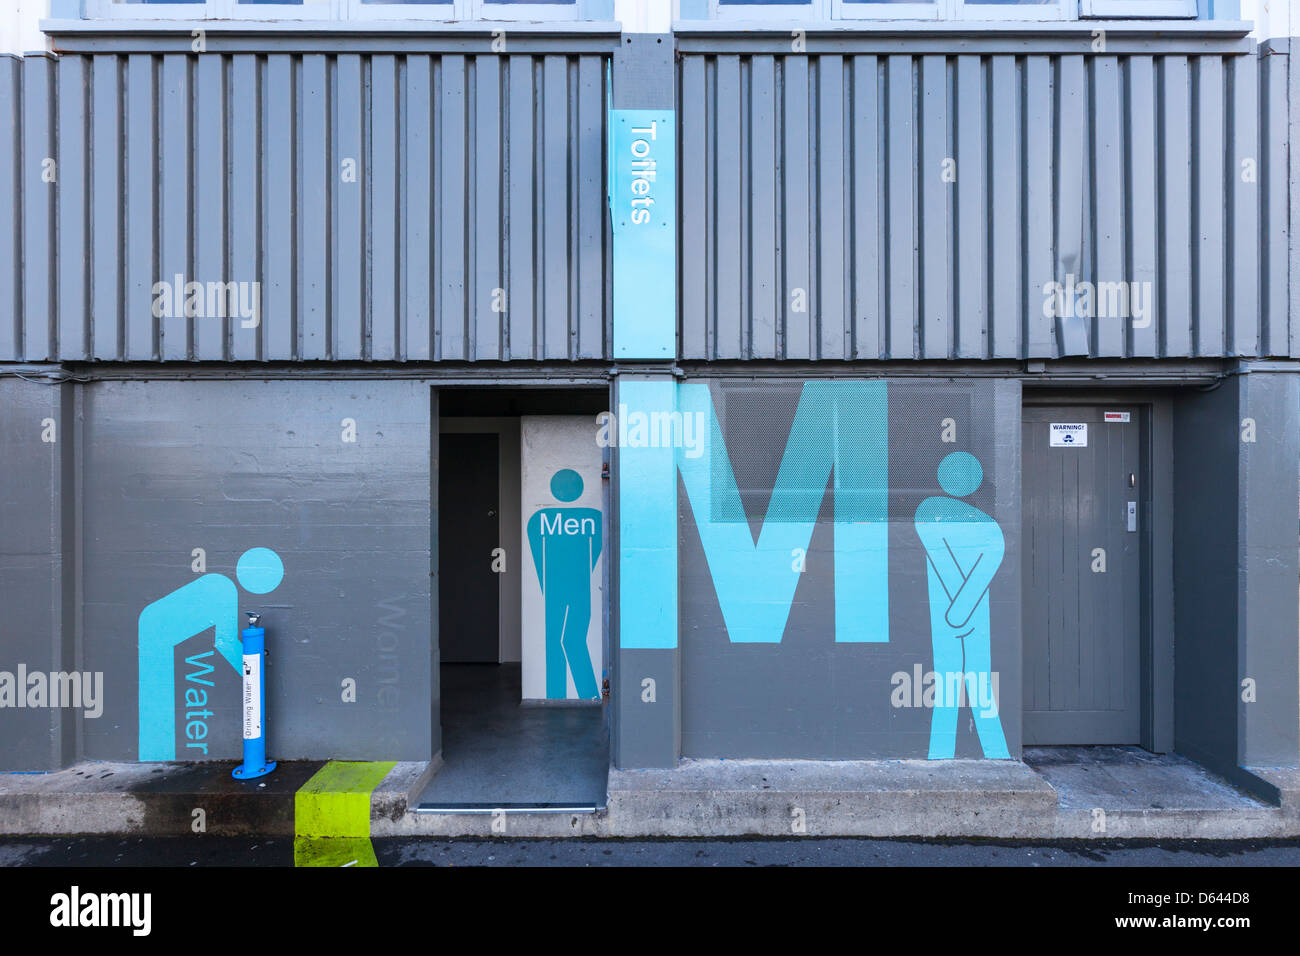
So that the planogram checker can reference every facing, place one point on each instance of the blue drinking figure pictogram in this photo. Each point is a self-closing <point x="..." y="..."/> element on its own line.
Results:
<point x="208" y="602"/>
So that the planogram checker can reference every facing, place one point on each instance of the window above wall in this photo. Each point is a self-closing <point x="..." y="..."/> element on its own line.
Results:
<point x="1012" y="10"/>
<point x="435" y="10"/>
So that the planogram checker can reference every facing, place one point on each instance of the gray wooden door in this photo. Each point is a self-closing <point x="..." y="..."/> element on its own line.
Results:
<point x="1082" y="573"/>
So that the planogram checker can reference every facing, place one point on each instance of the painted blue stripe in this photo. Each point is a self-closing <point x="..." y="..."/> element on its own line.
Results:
<point x="647" y="525"/>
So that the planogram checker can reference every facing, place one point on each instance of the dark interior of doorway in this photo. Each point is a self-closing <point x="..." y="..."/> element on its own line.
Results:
<point x="498" y="752"/>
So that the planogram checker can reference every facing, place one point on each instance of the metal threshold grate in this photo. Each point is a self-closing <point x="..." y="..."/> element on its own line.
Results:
<point x="508" y="808"/>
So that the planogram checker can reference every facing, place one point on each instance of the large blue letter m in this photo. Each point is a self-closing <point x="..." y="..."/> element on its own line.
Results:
<point x="840" y="432"/>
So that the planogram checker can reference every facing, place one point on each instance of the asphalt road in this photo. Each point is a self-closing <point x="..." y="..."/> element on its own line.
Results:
<point x="426" y="851"/>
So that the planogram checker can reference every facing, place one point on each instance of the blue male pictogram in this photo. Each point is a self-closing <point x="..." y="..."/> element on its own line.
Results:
<point x="565" y="543"/>
<point x="964" y="548"/>
<point x="211" y="601"/>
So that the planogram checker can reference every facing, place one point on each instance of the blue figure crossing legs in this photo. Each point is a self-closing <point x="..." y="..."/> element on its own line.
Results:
<point x="964" y="548"/>
<point x="565" y="543"/>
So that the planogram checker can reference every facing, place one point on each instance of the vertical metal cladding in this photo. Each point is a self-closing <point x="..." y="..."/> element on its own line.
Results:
<point x="395" y="207"/>
<point x="914" y="206"/>
<point x="412" y="207"/>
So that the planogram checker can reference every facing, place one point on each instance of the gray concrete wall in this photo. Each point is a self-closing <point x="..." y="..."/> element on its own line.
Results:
<point x="1268" y="548"/>
<point x="37" y="566"/>
<point x="800" y="172"/>
<point x="169" y="467"/>
<point x="1205" y="575"/>
<point x="1236" y="565"/>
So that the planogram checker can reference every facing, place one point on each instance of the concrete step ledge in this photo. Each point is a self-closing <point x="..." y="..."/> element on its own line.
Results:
<point x="1283" y="781"/>
<point x="842" y="798"/>
<point x="894" y="798"/>
<point x="700" y="798"/>
<point x="486" y="825"/>
<point x="720" y="798"/>
<point x="160" y="799"/>
<point x="156" y="799"/>
<point x="1236" y="824"/>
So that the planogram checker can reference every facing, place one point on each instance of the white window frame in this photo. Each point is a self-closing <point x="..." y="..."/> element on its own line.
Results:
<point x="1139" y="9"/>
<point x="807" y="10"/>
<point x="338" y="10"/>
<point x="937" y="10"/>
<point x="1059" y="10"/>
<point x="484" y="10"/>
<point x="356" y="10"/>
<point x="307" y="10"/>
<point x="212" y="10"/>
<point x="948" y="11"/>
<point x="108" y="10"/>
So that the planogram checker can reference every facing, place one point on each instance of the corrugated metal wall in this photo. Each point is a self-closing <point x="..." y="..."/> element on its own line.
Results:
<point x="821" y="178"/>
<point x="814" y="181"/>
<point x="473" y="174"/>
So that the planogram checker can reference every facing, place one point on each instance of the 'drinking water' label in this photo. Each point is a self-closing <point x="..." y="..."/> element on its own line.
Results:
<point x="252" y="696"/>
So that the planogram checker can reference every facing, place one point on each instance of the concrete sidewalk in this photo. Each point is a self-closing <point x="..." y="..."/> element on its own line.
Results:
<point x="1113" y="792"/>
<point x="161" y="799"/>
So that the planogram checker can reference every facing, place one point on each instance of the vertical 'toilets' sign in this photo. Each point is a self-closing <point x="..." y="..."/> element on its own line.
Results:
<point x="643" y="204"/>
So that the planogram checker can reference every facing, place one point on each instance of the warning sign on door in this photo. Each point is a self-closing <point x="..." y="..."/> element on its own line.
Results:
<point x="1068" y="435"/>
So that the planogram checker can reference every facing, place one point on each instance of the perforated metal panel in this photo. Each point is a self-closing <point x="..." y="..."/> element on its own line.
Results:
<point x="785" y="675"/>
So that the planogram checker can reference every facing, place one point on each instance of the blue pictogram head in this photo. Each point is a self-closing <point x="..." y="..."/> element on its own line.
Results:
<point x="259" y="570"/>
<point x="566" y="485"/>
<point x="960" y="474"/>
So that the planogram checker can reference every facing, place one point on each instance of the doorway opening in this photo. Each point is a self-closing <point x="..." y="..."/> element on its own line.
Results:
<point x="521" y="636"/>
<point x="1097" y="635"/>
